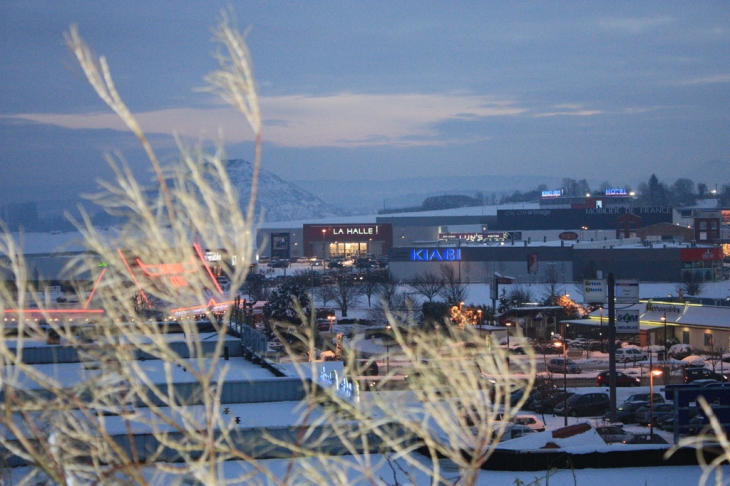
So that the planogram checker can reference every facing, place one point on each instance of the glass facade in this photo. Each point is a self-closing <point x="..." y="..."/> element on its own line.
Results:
<point x="704" y="271"/>
<point x="349" y="250"/>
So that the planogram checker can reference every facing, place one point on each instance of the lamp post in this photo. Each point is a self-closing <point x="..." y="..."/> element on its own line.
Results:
<point x="387" y="350"/>
<point x="479" y="313"/>
<point x="332" y="321"/>
<point x="564" y="345"/>
<point x="508" y="324"/>
<point x="664" y="321"/>
<point x="652" y="374"/>
<point x="324" y="253"/>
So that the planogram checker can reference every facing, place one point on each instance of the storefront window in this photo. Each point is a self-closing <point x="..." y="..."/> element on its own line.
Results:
<point x="349" y="250"/>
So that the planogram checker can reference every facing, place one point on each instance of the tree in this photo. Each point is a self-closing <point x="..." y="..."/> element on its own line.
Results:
<point x="454" y="292"/>
<point x="683" y="193"/>
<point x="369" y="286"/>
<point x="345" y="293"/>
<point x="427" y="284"/>
<point x="701" y="190"/>
<point x="653" y="193"/>
<point x="287" y="302"/>
<point x="691" y="283"/>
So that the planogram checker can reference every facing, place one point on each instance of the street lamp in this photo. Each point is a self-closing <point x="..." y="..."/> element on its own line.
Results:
<point x="663" y="318"/>
<point x="564" y="345"/>
<point x="387" y="350"/>
<point x="324" y="254"/>
<point x="651" y="401"/>
<point x="508" y="324"/>
<point x="332" y="321"/>
<point x="479" y="312"/>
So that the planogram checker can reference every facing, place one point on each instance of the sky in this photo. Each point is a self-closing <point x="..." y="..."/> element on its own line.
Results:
<point x="609" y="91"/>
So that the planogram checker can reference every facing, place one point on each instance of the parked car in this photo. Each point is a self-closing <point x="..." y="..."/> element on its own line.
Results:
<point x="514" y="431"/>
<point x="645" y="439"/>
<point x="660" y="410"/>
<point x="546" y="405"/>
<point x="279" y="264"/>
<point x="622" y="379"/>
<point x="585" y="404"/>
<point x="531" y="421"/>
<point x="626" y="412"/>
<point x="645" y="397"/>
<point x="666" y="422"/>
<point x="556" y="365"/>
<point x="693" y="374"/>
<point x="626" y="355"/>
<point x="613" y="433"/>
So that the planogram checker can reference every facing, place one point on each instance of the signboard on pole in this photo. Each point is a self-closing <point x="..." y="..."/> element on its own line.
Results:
<point x="594" y="290"/>
<point x="627" y="321"/>
<point x="627" y="291"/>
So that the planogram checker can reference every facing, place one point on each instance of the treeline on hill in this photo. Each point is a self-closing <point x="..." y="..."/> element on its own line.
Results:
<point x="682" y="193"/>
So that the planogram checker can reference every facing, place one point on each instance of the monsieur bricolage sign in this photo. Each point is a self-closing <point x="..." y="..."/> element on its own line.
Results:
<point x="627" y="321"/>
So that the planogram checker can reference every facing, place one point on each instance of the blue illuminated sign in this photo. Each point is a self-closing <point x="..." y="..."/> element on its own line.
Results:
<point x="618" y="191"/>
<point x="548" y="194"/>
<point x="440" y="254"/>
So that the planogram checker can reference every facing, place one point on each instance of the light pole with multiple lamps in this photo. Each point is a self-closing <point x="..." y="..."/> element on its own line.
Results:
<point x="652" y="374"/>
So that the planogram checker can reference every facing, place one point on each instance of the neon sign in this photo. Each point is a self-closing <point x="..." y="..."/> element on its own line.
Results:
<point x="436" y="254"/>
<point x="617" y="191"/>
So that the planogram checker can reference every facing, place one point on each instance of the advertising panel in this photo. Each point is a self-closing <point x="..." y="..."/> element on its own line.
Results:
<point x="532" y="260"/>
<point x="563" y="218"/>
<point x="280" y="245"/>
<point x="627" y="291"/>
<point x="594" y="290"/>
<point x="627" y="321"/>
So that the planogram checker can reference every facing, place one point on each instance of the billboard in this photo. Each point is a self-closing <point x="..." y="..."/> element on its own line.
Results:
<point x="627" y="291"/>
<point x="627" y="321"/>
<point x="280" y="245"/>
<point x="594" y="290"/>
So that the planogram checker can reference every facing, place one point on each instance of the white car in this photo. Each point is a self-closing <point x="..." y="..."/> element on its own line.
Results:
<point x="531" y="421"/>
<point x="625" y="355"/>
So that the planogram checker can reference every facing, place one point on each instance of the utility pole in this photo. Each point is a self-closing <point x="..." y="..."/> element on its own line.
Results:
<point x="611" y="346"/>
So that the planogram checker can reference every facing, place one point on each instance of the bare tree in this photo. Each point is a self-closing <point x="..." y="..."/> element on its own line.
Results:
<point x="345" y="293"/>
<point x="691" y="284"/>
<point x="454" y="292"/>
<point x="427" y="284"/>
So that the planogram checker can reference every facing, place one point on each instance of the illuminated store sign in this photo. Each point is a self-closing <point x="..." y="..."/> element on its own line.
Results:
<point x="618" y="191"/>
<point x="212" y="256"/>
<point x="476" y="237"/>
<point x="436" y="254"/>
<point x="551" y="194"/>
<point x="372" y="230"/>
<point x="343" y="386"/>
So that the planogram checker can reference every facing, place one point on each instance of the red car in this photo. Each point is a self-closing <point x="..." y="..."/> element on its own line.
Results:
<point x="622" y="379"/>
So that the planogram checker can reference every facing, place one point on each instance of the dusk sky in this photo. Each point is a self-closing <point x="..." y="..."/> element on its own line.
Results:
<point x="377" y="90"/>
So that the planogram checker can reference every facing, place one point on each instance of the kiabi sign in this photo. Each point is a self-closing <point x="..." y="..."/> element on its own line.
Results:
<point x="436" y="254"/>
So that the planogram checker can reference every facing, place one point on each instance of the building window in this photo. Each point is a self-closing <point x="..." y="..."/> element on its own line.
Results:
<point x="621" y="225"/>
<point x="632" y="225"/>
<point x="708" y="339"/>
<point x="685" y="337"/>
<point x="703" y="225"/>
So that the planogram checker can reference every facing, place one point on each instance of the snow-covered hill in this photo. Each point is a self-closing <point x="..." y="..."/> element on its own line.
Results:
<point x="280" y="200"/>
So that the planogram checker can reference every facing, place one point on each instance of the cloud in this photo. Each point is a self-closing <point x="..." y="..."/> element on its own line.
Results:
<point x="342" y="120"/>
<point x="714" y="79"/>
<point x="634" y="25"/>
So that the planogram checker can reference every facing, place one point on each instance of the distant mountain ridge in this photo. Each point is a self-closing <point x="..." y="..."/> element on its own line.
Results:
<point x="278" y="199"/>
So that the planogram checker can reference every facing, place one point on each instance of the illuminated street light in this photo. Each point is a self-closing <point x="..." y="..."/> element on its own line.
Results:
<point x="508" y="324"/>
<point x="564" y="345"/>
<point x="651" y="401"/>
